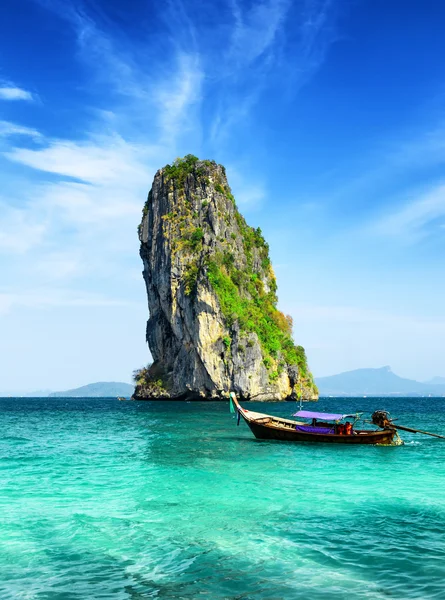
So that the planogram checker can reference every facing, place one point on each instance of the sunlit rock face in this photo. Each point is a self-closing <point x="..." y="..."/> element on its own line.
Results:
<point x="214" y="326"/>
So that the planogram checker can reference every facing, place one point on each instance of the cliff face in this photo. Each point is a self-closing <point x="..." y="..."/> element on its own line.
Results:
<point x="214" y="326"/>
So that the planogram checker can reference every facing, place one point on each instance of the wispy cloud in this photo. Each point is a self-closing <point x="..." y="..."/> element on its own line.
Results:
<point x="97" y="196"/>
<point x="11" y="92"/>
<point x="7" y="128"/>
<point x="354" y="315"/>
<point x="175" y="99"/>
<point x="423" y="149"/>
<point x="78" y="208"/>
<point x="272" y="43"/>
<point x="146" y="97"/>
<point x="61" y="265"/>
<point x="19" y="232"/>
<point x="256" y="29"/>
<point x="88" y="193"/>
<point x="414" y="218"/>
<point x="56" y="297"/>
<point x="394" y="189"/>
<point x="103" y="159"/>
<point x="317" y="30"/>
<point x="398" y="154"/>
<point x="249" y="195"/>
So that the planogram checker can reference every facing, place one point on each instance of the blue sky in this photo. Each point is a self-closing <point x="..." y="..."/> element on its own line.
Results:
<point x="330" y="118"/>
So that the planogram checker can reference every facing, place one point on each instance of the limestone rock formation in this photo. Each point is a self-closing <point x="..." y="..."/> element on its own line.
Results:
<point x="214" y="326"/>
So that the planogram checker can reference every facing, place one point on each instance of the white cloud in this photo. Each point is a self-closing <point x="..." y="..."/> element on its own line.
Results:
<point x="78" y="203"/>
<point x="56" y="297"/>
<point x="19" y="232"/>
<point x="11" y="92"/>
<point x="7" y="128"/>
<point x="256" y="29"/>
<point x="264" y="52"/>
<point x="177" y="96"/>
<point x="425" y="149"/>
<point x="102" y="180"/>
<point x="100" y="210"/>
<point x="414" y="216"/>
<point x="103" y="160"/>
<point x="60" y="265"/>
<point x="112" y="175"/>
<point x="232" y="113"/>
<point x="354" y="315"/>
<point x="248" y="195"/>
<point x="95" y="188"/>
<point x="316" y="15"/>
<point x="390" y="164"/>
<point x="111" y="65"/>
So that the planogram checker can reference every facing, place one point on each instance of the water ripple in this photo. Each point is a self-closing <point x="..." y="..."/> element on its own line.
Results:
<point x="103" y="499"/>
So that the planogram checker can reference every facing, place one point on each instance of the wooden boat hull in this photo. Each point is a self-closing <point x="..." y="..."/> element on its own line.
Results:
<point x="265" y="432"/>
<point x="269" y="427"/>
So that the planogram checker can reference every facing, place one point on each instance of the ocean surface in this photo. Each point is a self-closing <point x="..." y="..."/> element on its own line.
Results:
<point x="123" y="500"/>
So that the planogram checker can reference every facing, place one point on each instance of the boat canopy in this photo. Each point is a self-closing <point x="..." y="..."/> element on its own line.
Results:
<point x="306" y="414"/>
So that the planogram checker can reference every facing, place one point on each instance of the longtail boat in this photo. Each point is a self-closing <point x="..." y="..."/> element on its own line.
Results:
<point x="323" y="427"/>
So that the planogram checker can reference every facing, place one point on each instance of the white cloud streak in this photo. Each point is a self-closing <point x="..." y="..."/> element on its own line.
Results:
<point x="60" y="265"/>
<point x="353" y="315"/>
<point x="95" y="186"/>
<point x="19" y="232"/>
<point x="98" y="195"/>
<point x="176" y="98"/>
<point x="56" y="297"/>
<point x="11" y="92"/>
<point x="104" y="160"/>
<point x="7" y="129"/>
<point x="248" y="195"/>
<point x="414" y="218"/>
<point x="263" y="51"/>
<point x="256" y="29"/>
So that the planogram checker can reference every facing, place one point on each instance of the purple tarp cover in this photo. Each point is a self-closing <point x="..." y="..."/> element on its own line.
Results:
<point x="309" y="429"/>
<point x="306" y="414"/>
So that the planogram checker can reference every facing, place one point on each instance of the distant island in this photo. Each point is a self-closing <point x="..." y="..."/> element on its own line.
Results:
<point x="360" y="382"/>
<point x="437" y="380"/>
<point x="101" y="389"/>
<point x="378" y="382"/>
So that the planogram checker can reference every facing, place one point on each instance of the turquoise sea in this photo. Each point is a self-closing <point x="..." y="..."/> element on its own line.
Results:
<point x="123" y="500"/>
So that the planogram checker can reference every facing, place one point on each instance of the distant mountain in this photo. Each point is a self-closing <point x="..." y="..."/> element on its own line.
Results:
<point x="436" y="381"/>
<point x="101" y="389"/>
<point x="376" y="382"/>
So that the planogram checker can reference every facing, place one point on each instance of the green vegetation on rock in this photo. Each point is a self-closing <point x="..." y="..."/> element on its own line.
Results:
<point x="190" y="278"/>
<point x="243" y="299"/>
<point x="143" y="378"/>
<point x="185" y="166"/>
<point x="195" y="238"/>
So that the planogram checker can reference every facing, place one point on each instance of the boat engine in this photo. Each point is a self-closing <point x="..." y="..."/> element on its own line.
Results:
<point x="381" y="419"/>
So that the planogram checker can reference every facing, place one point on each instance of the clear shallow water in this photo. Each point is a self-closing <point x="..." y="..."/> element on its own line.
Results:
<point x="108" y="499"/>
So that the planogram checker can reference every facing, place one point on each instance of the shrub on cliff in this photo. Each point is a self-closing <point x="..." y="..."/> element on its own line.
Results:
<point x="144" y="378"/>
